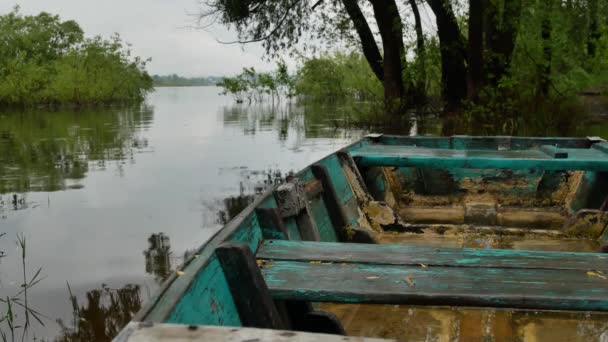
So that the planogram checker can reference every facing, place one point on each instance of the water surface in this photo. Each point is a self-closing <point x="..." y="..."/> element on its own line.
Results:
<point x="110" y="200"/>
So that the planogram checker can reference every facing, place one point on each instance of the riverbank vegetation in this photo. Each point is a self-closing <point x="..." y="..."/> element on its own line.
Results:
<point x="493" y="61"/>
<point x="47" y="61"/>
<point x="251" y="85"/>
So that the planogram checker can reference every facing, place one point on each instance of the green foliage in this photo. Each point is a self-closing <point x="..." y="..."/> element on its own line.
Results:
<point x="338" y="76"/>
<point x="518" y="99"/>
<point x="431" y="61"/>
<point x="44" y="60"/>
<point x="16" y="314"/>
<point x="252" y="85"/>
<point x="278" y="24"/>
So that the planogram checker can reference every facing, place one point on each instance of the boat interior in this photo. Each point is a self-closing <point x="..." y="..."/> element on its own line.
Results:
<point x="415" y="239"/>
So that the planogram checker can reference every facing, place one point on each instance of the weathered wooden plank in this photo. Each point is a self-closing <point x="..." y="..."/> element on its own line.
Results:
<point x="251" y="297"/>
<point x="271" y="223"/>
<point x="446" y="286"/>
<point x="554" y="152"/>
<point x="578" y="159"/>
<point x="332" y="201"/>
<point x="483" y="142"/>
<point x="147" y="332"/>
<point x="602" y="146"/>
<point x="187" y="297"/>
<point x="430" y="256"/>
<point x="320" y="216"/>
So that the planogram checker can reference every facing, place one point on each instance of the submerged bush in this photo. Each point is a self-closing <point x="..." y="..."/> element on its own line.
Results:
<point x="44" y="60"/>
<point x="338" y="76"/>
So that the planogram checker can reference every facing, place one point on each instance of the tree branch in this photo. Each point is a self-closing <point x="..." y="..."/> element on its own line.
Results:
<point x="270" y="34"/>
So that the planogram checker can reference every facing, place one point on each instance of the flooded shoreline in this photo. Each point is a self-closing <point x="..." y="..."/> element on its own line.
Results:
<point x="112" y="200"/>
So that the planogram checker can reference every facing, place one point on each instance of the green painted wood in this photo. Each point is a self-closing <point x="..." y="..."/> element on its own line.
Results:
<point x="189" y="297"/>
<point x="318" y="212"/>
<point x="602" y="146"/>
<point x="271" y="223"/>
<point x="430" y="256"/>
<point x="346" y="196"/>
<point x="554" y="152"/>
<point x="292" y="229"/>
<point x="193" y="296"/>
<point x="591" y="192"/>
<point x="487" y="142"/>
<point x="393" y="274"/>
<point x="207" y="301"/>
<point x="250" y="294"/>
<point x="403" y="156"/>
<point x="447" y="286"/>
<point x="209" y="286"/>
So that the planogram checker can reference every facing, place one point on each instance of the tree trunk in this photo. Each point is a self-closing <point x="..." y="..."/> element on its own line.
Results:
<point x="594" y="30"/>
<point x="420" y="91"/>
<point x="475" y="79"/>
<point x="546" y="28"/>
<point x="391" y="30"/>
<point x="501" y="32"/>
<point x="368" y="43"/>
<point x="453" y="69"/>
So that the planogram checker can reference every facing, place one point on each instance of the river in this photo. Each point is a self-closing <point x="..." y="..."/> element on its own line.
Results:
<point x="109" y="201"/>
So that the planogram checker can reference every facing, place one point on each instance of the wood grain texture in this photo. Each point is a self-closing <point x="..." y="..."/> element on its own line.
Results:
<point x="430" y="256"/>
<point x="332" y="201"/>
<point x="251" y="297"/>
<point x="384" y="155"/>
<point x="484" y="142"/>
<point x="393" y="274"/>
<point x="540" y="289"/>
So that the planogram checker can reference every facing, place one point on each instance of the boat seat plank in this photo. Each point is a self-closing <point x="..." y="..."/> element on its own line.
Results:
<point x="353" y="274"/>
<point x="430" y="256"/>
<point x="588" y="159"/>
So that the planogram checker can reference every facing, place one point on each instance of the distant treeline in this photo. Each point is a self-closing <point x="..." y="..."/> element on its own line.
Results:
<point x="179" y="81"/>
<point x="46" y="61"/>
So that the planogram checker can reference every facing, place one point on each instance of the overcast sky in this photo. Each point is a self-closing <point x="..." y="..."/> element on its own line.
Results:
<point x="157" y="29"/>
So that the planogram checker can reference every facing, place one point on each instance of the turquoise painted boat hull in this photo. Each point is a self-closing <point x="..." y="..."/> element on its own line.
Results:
<point x="396" y="205"/>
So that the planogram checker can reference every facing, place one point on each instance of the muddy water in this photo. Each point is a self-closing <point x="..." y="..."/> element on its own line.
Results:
<point x="111" y="200"/>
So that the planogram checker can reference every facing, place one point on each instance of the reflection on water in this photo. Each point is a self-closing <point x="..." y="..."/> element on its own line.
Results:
<point x="52" y="151"/>
<point x="102" y="314"/>
<point x="252" y="184"/>
<point x="158" y="257"/>
<point x="92" y="189"/>
<point x="99" y="192"/>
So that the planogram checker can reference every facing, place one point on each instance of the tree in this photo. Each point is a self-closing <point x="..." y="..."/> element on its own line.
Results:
<point x="546" y="28"/>
<point x="501" y="27"/>
<point x="453" y="56"/>
<point x="420" y="87"/>
<point x="594" y="27"/>
<point x="44" y="60"/>
<point x="497" y="56"/>
<point x="475" y="77"/>
<point x="366" y="37"/>
<point x="279" y="24"/>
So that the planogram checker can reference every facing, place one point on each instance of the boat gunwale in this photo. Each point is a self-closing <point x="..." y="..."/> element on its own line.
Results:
<point x="214" y="241"/>
<point x="198" y="261"/>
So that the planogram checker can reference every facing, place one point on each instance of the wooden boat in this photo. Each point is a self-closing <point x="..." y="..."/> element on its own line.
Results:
<point x="512" y="225"/>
